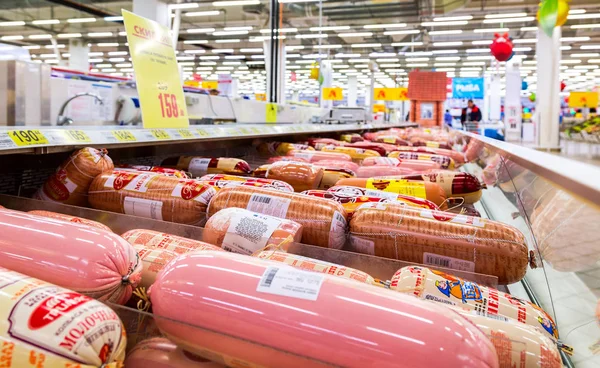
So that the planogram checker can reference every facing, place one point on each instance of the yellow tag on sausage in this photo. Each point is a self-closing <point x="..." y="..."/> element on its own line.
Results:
<point x="391" y="140"/>
<point x="431" y="144"/>
<point x="404" y="187"/>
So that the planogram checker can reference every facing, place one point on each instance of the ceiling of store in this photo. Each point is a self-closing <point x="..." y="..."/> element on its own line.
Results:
<point x="398" y="35"/>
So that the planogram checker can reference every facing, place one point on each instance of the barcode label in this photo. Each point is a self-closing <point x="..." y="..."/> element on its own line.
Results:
<point x="199" y="166"/>
<point x="291" y="282"/>
<point x="337" y="231"/>
<point x="492" y="316"/>
<point x="269" y="205"/>
<point x="448" y="262"/>
<point x="249" y="232"/>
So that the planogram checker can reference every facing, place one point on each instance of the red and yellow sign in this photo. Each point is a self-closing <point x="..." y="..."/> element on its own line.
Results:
<point x="333" y="94"/>
<point x="390" y="94"/>
<point x="157" y="76"/>
<point x="583" y="99"/>
<point x="210" y="85"/>
<point x="378" y="108"/>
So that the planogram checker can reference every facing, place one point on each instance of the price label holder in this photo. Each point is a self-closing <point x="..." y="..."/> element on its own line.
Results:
<point x="186" y="133"/>
<point x="77" y="136"/>
<point x="203" y="133"/>
<point x="157" y="76"/>
<point x="124" y="136"/>
<point x="27" y="137"/>
<point x="160" y="134"/>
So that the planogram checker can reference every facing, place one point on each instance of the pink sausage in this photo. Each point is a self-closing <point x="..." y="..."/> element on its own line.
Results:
<point x="314" y="156"/>
<point x="159" y="352"/>
<point x="415" y="165"/>
<point x="91" y="261"/>
<point x="337" y="164"/>
<point x="331" y="323"/>
<point x="381" y="170"/>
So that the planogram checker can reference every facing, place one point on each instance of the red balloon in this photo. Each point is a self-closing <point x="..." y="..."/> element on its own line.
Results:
<point x="562" y="86"/>
<point x="501" y="47"/>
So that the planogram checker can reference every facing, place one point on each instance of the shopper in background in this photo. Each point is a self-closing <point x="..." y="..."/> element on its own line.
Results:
<point x="471" y="113"/>
<point x="448" y="118"/>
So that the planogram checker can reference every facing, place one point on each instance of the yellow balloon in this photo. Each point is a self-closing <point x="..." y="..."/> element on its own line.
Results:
<point x="561" y="15"/>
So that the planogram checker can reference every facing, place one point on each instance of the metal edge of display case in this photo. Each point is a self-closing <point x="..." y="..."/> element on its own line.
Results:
<point x="578" y="178"/>
<point x="60" y="140"/>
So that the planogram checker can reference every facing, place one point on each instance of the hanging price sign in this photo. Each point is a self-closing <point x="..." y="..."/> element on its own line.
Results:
<point x="158" y="83"/>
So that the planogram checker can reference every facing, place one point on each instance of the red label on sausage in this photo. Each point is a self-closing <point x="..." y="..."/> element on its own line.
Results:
<point x="54" y="307"/>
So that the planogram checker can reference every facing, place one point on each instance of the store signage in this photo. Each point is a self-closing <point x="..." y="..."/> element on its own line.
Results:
<point x="467" y="88"/>
<point x="210" y="84"/>
<point x="332" y="94"/>
<point x="157" y="75"/>
<point x="583" y="99"/>
<point x="390" y="94"/>
<point x="260" y="96"/>
<point x="271" y="113"/>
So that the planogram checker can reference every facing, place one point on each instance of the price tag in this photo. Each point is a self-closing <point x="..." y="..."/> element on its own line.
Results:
<point x="185" y="133"/>
<point x="255" y="130"/>
<point x="244" y="131"/>
<point x="203" y="133"/>
<point x="124" y="136"/>
<point x="160" y="134"/>
<point x="77" y="136"/>
<point x="30" y="137"/>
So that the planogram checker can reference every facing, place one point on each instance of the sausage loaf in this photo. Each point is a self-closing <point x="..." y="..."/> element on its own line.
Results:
<point x="415" y="165"/>
<point x="69" y="218"/>
<point x="71" y="181"/>
<point x="301" y="176"/>
<point x="458" y="157"/>
<point x="295" y="299"/>
<point x="425" y="190"/>
<point x="166" y="171"/>
<point x="314" y="156"/>
<point x="343" y="191"/>
<point x="381" y="170"/>
<point x="445" y="162"/>
<point x="242" y="231"/>
<point x="153" y="196"/>
<point x="94" y="262"/>
<point x="332" y="176"/>
<point x="336" y="164"/>
<point x="44" y="325"/>
<point x="281" y="148"/>
<point x="159" y="352"/>
<point x="357" y="154"/>
<point x="440" y="238"/>
<point x="323" y="221"/>
<point x="219" y="181"/>
<point x="198" y="166"/>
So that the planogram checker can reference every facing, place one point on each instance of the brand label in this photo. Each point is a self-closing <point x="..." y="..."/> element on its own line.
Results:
<point x="199" y="166"/>
<point x="453" y="218"/>
<point x="269" y="205"/>
<point x="193" y="190"/>
<point x="337" y="230"/>
<point x="413" y="189"/>
<point x="249" y="232"/>
<point x="291" y="282"/>
<point x="143" y="208"/>
<point x="381" y="194"/>
<point x="448" y="262"/>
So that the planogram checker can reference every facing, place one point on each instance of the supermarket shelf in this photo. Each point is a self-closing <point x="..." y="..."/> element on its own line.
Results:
<point x="55" y="139"/>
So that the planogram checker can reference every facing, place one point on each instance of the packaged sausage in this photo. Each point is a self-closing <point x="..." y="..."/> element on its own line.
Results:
<point x="355" y="197"/>
<point x="314" y="156"/>
<point x="381" y="170"/>
<point x="319" y="143"/>
<point x="441" y="239"/>
<point x="445" y="162"/>
<point x="351" y="138"/>
<point x="152" y="196"/>
<point x="425" y="190"/>
<point x="266" y="314"/>
<point x="281" y="148"/>
<point x="357" y="154"/>
<point x="455" y="184"/>
<point x="43" y="325"/>
<point x="158" y="352"/>
<point x="391" y="139"/>
<point x="261" y="171"/>
<point x="94" y="262"/>
<point x="219" y="181"/>
<point x="69" y="218"/>
<point x="71" y="181"/>
<point x="285" y="158"/>
<point x="301" y="176"/>
<point x="336" y="164"/>
<point x="156" y="249"/>
<point x="370" y="146"/>
<point x="332" y="176"/>
<point x="315" y="265"/>
<point x="443" y="288"/>
<point x="323" y="221"/>
<point x="166" y="171"/>
<point x="415" y="165"/>
<point x="458" y="157"/>
<point x="241" y="231"/>
<point x="199" y="166"/>
<point x="431" y="144"/>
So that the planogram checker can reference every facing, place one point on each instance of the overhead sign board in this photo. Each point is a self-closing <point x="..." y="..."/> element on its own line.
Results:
<point x="467" y="88"/>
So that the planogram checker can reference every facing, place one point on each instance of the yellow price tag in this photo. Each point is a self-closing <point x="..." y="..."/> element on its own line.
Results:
<point x="160" y="134"/>
<point x="271" y="113"/>
<point x="244" y="131"/>
<point x="400" y="186"/>
<point x="203" y="133"/>
<point x="77" y="136"/>
<point x="124" y="136"/>
<point x="185" y="133"/>
<point x="28" y="137"/>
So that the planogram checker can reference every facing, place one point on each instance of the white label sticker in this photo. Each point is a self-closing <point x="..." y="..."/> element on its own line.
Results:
<point x="488" y="315"/>
<point x="381" y="194"/>
<point x="248" y="233"/>
<point x="363" y="246"/>
<point x="304" y="155"/>
<point x="199" y="166"/>
<point x="337" y="230"/>
<point x="387" y="161"/>
<point x="143" y="208"/>
<point x="448" y="262"/>
<point x="291" y="282"/>
<point x="450" y="217"/>
<point x="373" y="205"/>
<point x="269" y="205"/>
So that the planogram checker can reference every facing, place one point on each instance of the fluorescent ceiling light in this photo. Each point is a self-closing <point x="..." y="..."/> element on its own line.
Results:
<point x="12" y="38"/>
<point x="96" y="60"/>
<point x="204" y="68"/>
<point x="95" y="53"/>
<point x="40" y="37"/>
<point x="311" y="36"/>
<point x="236" y="3"/>
<point x="447" y="58"/>
<point x="281" y="30"/>
<point x="517" y="49"/>
<point x="474" y="63"/>
<point x="399" y="44"/>
<point x="244" y="28"/>
<point x="292" y="47"/>
<point x="492" y="30"/>
<point x="107" y="44"/>
<point x="292" y="56"/>
<point x="416" y="65"/>
<point x="210" y="57"/>
<point x="12" y="23"/>
<point x="255" y="62"/>
<point x="100" y="34"/>
<point x="418" y="53"/>
<point x="297" y="1"/>
<point x="356" y="34"/>
<point x="409" y="60"/>
<point x="184" y="6"/>
<point x="329" y="28"/>
<point x="574" y="39"/>
<point x="358" y="60"/>
<point x="460" y="17"/>
<point x="590" y="47"/>
<point x="451" y="51"/>
<point x="453" y="31"/>
<point x="444" y="64"/>
<point x="408" y="31"/>
<point x="327" y="47"/>
<point x="229" y="33"/>
<point x="447" y="44"/>
<point x="195" y="42"/>
<point x="570" y="61"/>
<point x="69" y="35"/>
<point x="586" y="55"/>
<point x="59" y="46"/>
<point x="184" y="58"/>
<point x="529" y="29"/>
<point x="475" y="51"/>
<point x="198" y="51"/>
<point x="81" y="20"/>
<point x="117" y="53"/>
<point x="222" y="51"/>
<point x="116" y="60"/>
<point x="593" y="25"/>
<point x="232" y="63"/>
<point x="380" y="26"/>
<point x="203" y="13"/>
<point x="200" y="30"/>
<point x="382" y="54"/>
<point x="507" y="15"/>
<point x="116" y="18"/>
<point x="565" y="48"/>
<point x="447" y="23"/>
<point x="388" y="60"/>
<point x="235" y="57"/>
<point x="228" y="40"/>
<point x="444" y="69"/>
<point x="525" y="40"/>
<point x="342" y="55"/>
<point x="252" y="50"/>
<point x="390" y="65"/>
<point x="509" y="20"/>
<point x="365" y="45"/>
<point x="584" y="16"/>
<point x="482" y="42"/>
<point x="577" y="11"/>
<point x="46" y="21"/>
